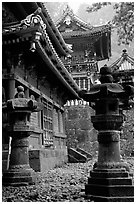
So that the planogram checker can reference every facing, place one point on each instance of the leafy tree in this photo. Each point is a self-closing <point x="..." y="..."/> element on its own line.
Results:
<point x="123" y="19"/>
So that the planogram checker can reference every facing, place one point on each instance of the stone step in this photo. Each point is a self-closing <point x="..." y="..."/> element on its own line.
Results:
<point x="77" y="156"/>
<point x="18" y="184"/>
<point x="110" y="199"/>
<point x="72" y="159"/>
<point x="82" y="151"/>
<point x="22" y="179"/>
<point x="110" y="170"/>
<point x="108" y="174"/>
<point x="110" y="181"/>
<point x="24" y="172"/>
<point x="109" y="191"/>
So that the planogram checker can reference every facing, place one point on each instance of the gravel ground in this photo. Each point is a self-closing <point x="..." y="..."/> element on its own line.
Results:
<point x="62" y="184"/>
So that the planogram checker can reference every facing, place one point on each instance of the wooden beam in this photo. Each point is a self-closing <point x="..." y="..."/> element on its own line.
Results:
<point x="32" y="88"/>
<point x="101" y="47"/>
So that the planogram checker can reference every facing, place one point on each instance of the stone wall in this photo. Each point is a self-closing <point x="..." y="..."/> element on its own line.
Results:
<point x="79" y="129"/>
<point x="127" y="134"/>
<point x="47" y="158"/>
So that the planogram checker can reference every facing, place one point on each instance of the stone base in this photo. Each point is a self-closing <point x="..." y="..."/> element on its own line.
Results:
<point x="46" y="159"/>
<point x="110" y="185"/>
<point x="18" y="177"/>
<point x="110" y="199"/>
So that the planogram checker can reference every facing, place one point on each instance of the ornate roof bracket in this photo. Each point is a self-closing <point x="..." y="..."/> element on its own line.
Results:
<point x="29" y="22"/>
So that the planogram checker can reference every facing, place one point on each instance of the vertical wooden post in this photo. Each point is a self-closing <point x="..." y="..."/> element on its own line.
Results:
<point x="11" y="88"/>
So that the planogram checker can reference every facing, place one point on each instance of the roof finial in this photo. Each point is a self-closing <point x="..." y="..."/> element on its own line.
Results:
<point x="124" y="50"/>
<point x="124" y="54"/>
<point x="68" y="9"/>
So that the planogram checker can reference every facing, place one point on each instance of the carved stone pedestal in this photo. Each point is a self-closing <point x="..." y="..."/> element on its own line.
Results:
<point x="19" y="172"/>
<point x="110" y="185"/>
<point x="110" y="180"/>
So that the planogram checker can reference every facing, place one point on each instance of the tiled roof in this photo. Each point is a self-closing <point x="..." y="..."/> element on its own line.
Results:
<point x="23" y="9"/>
<point x="53" y="27"/>
<point x="30" y="21"/>
<point x="124" y="63"/>
<point x="93" y="32"/>
<point x="73" y="28"/>
<point x="34" y="23"/>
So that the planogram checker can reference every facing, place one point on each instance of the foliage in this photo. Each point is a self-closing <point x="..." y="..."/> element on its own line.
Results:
<point x="128" y="133"/>
<point x="97" y="6"/>
<point x="123" y="19"/>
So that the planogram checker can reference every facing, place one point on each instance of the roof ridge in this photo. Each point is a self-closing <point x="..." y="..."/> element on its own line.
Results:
<point x="69" y="11"/>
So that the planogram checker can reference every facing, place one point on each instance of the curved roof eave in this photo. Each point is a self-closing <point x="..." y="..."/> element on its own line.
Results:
<point x="62" y="73"/>
<point x="74" y="89"/>
<point x="95" y="31"/>
<point x="123" y="57"/>
<point x="54" y="31"/>
<point x="23" y="9"/>
<point x="120" y="61"/>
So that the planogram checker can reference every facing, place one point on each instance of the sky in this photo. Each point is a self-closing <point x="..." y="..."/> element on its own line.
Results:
<point x="75" y="4"/>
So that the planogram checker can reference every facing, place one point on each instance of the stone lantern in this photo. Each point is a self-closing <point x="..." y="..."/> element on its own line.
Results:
<point x="19" y="110"/>
<point x="109" y="180"/>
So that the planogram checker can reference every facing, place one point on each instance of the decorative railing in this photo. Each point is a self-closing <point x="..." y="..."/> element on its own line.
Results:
<point x="81" y="66"/>
<point x="77" y="103"/>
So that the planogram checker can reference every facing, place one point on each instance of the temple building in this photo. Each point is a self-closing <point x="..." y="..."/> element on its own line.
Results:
<point x="32" y="49"/>
<point x="123" y="72"/>
<point x="123" y="69"/>
<point x="90" y="44"/>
